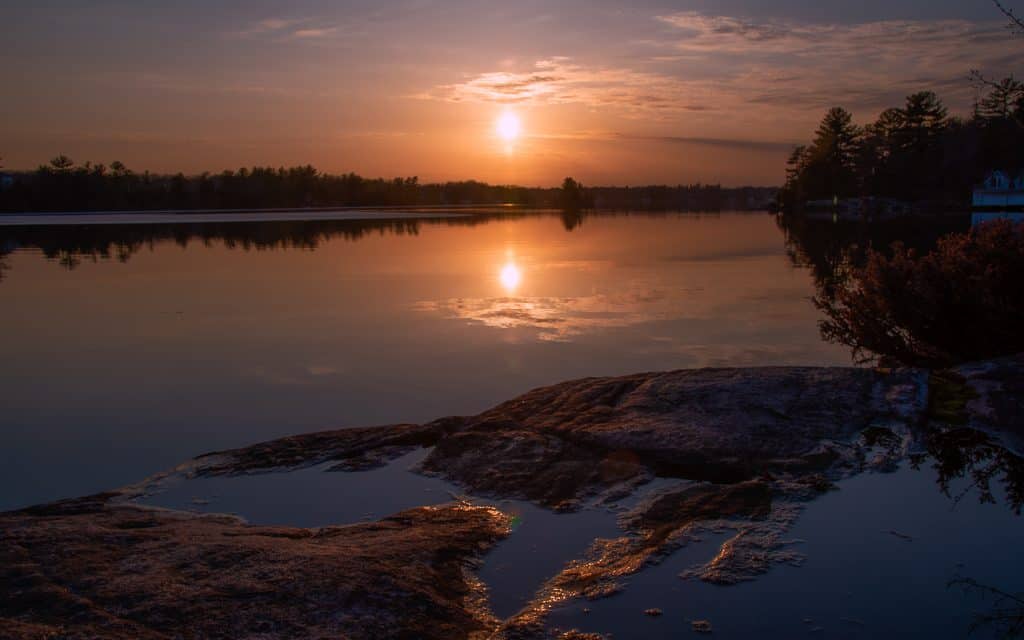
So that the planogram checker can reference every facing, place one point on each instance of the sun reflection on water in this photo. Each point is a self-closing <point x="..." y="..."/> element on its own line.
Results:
<point x="510" y="277"/>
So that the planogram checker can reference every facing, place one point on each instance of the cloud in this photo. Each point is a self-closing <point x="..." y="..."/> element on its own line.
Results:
<point x="314" y="33"/>
<point x="269" y="25"/>
<point x="723" y="143"/>
<point x="560" y="80"/>
<point x="718" y="34"/>
<point x="281" y="29"/>
<point x="758" y="72"/>
<point x="862" y="65"/>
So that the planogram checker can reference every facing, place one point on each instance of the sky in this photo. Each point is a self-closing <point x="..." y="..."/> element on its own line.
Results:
<point x="649" y="91"/>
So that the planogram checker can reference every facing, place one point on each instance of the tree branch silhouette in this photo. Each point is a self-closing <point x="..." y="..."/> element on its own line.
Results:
<point x="1016" y="23"/>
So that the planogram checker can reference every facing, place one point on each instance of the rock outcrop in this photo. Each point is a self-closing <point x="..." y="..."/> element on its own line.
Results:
<point x="557" y="445"/>
<point x="92" y="569"/>
<point x="747" y="447"/>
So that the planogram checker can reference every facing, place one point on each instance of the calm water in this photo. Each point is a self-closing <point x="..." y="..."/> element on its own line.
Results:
<point x="858" y="581"/>
<point x="165" y="342"/>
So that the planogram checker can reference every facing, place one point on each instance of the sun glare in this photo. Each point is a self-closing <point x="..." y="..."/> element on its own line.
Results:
<point x="508" y="126"/>
<point x="510" y="276"/>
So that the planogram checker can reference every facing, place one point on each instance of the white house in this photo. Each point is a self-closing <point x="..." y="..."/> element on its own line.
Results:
<point x="999" y="196"/>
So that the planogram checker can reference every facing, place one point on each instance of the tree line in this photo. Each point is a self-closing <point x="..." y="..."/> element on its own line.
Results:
<point x="915" y="152"/>
<point x="63" y="185"/>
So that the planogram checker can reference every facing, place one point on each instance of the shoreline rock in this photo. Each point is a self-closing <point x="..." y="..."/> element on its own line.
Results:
<point x="750" y="447"/>
<point x="94" y="569"/>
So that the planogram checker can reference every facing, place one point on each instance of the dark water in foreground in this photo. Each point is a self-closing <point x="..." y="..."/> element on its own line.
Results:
<point x="859" y="579"/>
<point x="163" y="342"/>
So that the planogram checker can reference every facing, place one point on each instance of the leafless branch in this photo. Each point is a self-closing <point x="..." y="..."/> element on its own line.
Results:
<point x="1016" y="23"/>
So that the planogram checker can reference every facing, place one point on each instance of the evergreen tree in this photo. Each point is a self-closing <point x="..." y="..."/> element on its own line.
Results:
<point x="1004" y="101"/>
<point x="830" y="167"/>
<point x="922" y="121"/>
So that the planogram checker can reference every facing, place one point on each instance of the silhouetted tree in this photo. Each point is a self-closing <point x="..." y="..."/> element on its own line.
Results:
<point x="62" y="163"/>
<point x="572" y="197"/>
<point x="829" y="162"/>
<point x="921" y="122"/>
<point x="915" y="152"/>
<point x="1004" y="101"/>
<point x="63" y="186"/>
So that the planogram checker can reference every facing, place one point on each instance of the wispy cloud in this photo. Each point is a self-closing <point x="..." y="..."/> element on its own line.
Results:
<point x="561" y="80"/>
<point x="723" y="143"/>
<point x="281" y="29"/>
<point x="705" y="33"/>
<point x="758" y="70"/>
<point x="865" y="65"/>
<point x="315" y="33"/>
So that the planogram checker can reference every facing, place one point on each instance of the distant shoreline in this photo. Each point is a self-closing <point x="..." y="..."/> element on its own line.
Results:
<point x="177" y="216"/>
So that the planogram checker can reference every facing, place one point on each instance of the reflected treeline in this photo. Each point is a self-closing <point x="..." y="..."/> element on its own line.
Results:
<point x="967" y="454"/>
<point x="70" y="245"/>
<point x="926" y="295"/>
<point x="832" y="250"/>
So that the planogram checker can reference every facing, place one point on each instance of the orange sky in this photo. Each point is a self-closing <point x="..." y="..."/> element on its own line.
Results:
<point x="608" y="92"/>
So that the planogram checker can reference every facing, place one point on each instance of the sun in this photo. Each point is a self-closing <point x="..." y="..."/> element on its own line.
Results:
<point x="508" y="126"/>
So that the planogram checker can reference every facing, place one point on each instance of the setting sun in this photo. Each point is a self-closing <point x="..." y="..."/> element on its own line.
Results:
<point x="508" y="126"/>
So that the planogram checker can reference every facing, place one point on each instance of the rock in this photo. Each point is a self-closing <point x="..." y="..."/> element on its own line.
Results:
<point x="92" y="569"/>
<point x="353" y="449"/>
<point x="994" y="399"/>
<point x="579" y="635"/>
<point x="752" y="445"/>
<point x="673" y="510"/>
<point x="560" y="444"/>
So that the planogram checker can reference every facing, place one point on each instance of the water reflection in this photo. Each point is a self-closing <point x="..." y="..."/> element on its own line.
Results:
<point x="979" y="467"/>
<point x="564" y="318"/>
<point x="71" y="246"/>
<point x="197" y="338"/>
<point x="510" y="277"/>
<point x="832" y="250"/>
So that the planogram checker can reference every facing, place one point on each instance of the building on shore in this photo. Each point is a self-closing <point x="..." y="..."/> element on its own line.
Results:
<point x="1000" y="196"/>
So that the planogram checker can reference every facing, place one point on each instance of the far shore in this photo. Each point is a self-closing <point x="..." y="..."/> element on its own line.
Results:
<point x="177" y="216"/>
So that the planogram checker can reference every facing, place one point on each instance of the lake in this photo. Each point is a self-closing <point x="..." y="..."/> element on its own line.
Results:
<point x="132" y="348"/>
<point x="129" y="349"/>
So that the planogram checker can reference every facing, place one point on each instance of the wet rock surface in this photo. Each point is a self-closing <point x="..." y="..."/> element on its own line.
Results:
<point x="92" y="569"/>
<point x="744" y="449"/>
<point x="557" y="445"/>
<point x="994" y="398"/>
<point x="353" y="449"/>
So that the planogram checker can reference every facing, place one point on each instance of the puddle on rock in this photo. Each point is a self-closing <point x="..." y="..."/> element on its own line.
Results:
<point x="880" y="552"/>
<point x="541" y="542"/>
